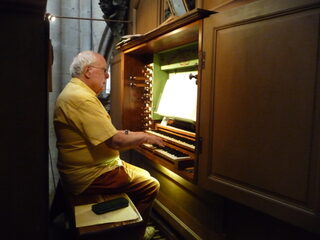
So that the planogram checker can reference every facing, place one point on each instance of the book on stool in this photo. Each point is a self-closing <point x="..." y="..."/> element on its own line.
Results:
<point x="85" y="216"/>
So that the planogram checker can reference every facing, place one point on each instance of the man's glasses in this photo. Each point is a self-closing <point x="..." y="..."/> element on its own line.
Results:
<point x="102" y="68"/>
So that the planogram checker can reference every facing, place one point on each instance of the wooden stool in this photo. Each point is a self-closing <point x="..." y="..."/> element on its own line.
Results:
<point x="129" y="229"/>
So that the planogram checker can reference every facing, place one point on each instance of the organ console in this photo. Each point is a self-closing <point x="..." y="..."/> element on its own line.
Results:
<point x="155" y="83"/>
<point x="247" y="151"/>
<point x="179" y="150"/>
<point x="152" y="77"/>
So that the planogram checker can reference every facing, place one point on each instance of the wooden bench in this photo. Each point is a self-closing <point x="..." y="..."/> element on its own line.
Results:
<point x="129" y="229"/>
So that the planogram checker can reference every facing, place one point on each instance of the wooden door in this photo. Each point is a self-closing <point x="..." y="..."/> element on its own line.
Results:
<point x="259" y="114"/>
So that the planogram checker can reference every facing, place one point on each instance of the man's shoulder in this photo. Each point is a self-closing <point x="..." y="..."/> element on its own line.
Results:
<point x="73" y="95"/>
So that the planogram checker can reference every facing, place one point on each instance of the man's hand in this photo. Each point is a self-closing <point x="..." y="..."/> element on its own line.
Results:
<point x="154" y="140"/>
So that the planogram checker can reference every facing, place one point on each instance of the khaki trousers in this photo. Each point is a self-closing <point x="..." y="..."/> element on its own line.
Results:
<point x="136" y="182"/>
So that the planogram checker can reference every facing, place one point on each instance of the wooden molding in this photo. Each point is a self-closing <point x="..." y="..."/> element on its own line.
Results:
<point x="192" y="16"/>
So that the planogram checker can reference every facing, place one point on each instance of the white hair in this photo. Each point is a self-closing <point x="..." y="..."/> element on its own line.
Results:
<point x="80" y="61"/>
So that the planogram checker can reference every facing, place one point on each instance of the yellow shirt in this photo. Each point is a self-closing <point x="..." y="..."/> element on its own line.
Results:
<point x="82" y="125"/>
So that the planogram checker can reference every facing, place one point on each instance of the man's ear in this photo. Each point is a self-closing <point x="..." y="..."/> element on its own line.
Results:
<point x="87" y="72"/>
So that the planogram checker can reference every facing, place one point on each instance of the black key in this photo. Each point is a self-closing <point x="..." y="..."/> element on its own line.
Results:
<point x="174" y="151"/>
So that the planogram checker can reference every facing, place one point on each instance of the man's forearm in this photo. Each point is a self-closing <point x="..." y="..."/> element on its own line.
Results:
<point x="126" y="140"/>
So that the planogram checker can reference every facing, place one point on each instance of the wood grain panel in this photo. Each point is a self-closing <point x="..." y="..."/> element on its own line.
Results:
<point x="222" y="5"/>
<point x="147" y="15"/>
<point x="200" y="210"/>
<point x="132" y="103"/>
<point x="116" y="91"/>
<point x="260" y="129"/>
<point x="263" y="103"/>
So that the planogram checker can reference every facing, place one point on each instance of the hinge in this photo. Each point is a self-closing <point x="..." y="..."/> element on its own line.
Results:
<point x="202" y="59"/>
<point x="199" y="145"/>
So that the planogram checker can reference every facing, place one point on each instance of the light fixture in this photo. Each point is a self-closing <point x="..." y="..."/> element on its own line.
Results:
<point x="51" y="18"/>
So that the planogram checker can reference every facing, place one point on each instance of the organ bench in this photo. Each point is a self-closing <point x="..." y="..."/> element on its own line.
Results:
<point x="129" y="229"/>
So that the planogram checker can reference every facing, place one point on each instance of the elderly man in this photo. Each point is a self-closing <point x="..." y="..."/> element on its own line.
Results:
<point x="89" y="144"/>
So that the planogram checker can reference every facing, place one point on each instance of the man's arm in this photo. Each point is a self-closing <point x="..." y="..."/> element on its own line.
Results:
<point x="123" y="140"/>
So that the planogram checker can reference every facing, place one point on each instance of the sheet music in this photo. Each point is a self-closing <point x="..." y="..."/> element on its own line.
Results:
<point x="179" y="97"/>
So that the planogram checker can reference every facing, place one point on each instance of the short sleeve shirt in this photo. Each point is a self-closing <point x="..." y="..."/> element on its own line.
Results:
<point x="82" y="126"/>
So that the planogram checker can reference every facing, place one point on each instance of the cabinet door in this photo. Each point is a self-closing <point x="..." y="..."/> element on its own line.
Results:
<point x="260" y="103"/>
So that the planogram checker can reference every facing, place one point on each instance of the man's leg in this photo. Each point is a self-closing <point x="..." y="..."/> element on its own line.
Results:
<point x="136" y="182"/>
<point x="142" y="189"/>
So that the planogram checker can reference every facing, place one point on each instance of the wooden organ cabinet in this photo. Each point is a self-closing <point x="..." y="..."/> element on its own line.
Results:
<point x="257" y="131"/>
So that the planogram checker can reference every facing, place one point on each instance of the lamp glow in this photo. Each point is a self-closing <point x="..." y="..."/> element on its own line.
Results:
<point x="179" y="97"/>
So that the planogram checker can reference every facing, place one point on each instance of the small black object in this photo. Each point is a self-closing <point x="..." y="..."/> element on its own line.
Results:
<point x="110" y="205"/>
<point x="193" y="76"/>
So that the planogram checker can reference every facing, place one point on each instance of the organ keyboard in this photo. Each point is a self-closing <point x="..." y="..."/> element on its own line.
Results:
<point x="179" y="146"/>
<point x="189" y="144"/>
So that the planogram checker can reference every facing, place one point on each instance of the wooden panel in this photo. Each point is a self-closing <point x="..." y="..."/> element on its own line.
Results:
<point x="222" y="5"/>
<point x="263" y="107"/>
<point x="184" y="35"/>
<point x="171" y="31"/>
<point x="116" y="91"/>
<point x="147" y="15"/>
<point x="199" y="211"/>
<point x="132" y="101"/>
<point x="211" y="4"/>
<point x="261" y="148"/>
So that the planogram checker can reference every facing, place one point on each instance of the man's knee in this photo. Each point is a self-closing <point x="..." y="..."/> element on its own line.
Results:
<point x="155" y="185"/>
